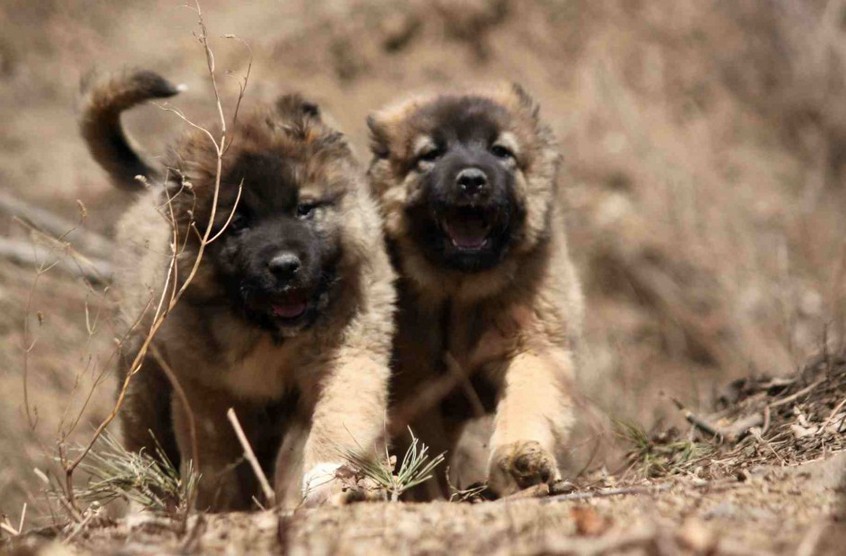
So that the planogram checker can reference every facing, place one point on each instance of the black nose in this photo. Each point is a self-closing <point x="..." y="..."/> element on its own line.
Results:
<point x="284" y="265"/>
<point x="471" y="181"/>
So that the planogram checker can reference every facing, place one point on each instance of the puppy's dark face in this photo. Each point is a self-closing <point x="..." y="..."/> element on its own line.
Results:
<point x="463" y="180"/>
<point x="277" y="256"/>
<point x="278" y="224"/>
<point x="467" y="211"/>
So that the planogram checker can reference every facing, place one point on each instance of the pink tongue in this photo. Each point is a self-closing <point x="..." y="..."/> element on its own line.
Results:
<point x="290" y="310"/>
<point x="469" y="234"/>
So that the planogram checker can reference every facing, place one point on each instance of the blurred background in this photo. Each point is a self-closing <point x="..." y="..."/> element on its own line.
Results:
<point x="704" y="145"/>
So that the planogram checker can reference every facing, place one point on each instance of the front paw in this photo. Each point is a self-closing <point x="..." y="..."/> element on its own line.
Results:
<point x="321" y="485"/>
<point x="337" y="484"/>
<point x="519" y="465"/>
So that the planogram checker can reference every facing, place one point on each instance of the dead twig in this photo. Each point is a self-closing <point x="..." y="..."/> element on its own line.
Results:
<point x="79" y="527"/>
<point x="54" y="225"/>
<point x="175" y="286"/>
<point x="183" y="397"/>
<point x="429" y="396"/>
<point x="535" y="491"/>
<point x="766" y="426"/>
<point x="606" y="492"/>
<point x="798" y="394"/>
<point x="7" y="526"/>
<point x="700" y="422"/>
<point x="250" y="456"/>
<point x="35" y="255"/>
<point x="761" y="440"/>
<point x="832" y="415"/>
<point x="457" y="370"/>
<point x="742" y="426"/>
<point x="192" y="539"/>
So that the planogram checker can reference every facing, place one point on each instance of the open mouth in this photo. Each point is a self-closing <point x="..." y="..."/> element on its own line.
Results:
<point x="290" y="306"/>
<point x="469" y="228"/>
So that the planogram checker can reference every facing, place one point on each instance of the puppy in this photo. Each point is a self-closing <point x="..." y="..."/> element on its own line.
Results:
<point x="489" y="306"/>
<point x="289" y="315"/>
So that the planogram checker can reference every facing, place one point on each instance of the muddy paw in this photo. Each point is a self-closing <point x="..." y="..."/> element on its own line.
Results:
<point x="520" y="465"/>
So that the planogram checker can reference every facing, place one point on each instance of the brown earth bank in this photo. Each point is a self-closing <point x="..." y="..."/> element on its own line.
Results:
<point x="770" y="511"/>
<point x="704" y="151"/>
<point x="766" y="474"/>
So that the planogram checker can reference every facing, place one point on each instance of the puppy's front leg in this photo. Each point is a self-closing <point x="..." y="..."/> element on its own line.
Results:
<point x="349" y="416"/>
<point x="225" y="482"/>
<point x="534" y="411"/>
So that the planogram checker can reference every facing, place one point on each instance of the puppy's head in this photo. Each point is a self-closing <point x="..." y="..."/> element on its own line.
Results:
<point x="277" y="221"/>
<point x="465" y="181"/>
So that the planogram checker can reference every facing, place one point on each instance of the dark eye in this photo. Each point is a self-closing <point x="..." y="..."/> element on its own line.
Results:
<point x="305" y="209"/>
<point x="238" y="223"/>
<point x="501" y="152"/>
<point x="431" y="155"/>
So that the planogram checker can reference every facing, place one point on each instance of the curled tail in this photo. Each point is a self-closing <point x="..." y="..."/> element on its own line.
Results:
<point x="100" y="125"/>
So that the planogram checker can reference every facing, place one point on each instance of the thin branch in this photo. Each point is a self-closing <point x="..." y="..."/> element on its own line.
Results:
<point x="55" y="225"/>
<point x="833" y="414"/>
<point x="173" y="289"/>
<point x="700" y="422"/>
<point x="34" y="255"/>
<point x="183" y="397"/>
<point x="231" y="213"/>
<point x="251" y="457"/>
<point x="470" y="393"/>
<point x="204" y="40"/>
<point x="606" y="492"/>
<point x="798" y="394"/>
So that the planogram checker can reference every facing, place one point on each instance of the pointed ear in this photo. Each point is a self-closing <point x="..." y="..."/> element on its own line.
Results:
<point x="525" y="100"/>
<point x="379" y="137"/>
<point x="295" y="106"/>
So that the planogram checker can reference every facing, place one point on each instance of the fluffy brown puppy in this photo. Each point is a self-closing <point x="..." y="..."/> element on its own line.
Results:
<point x="289" y="318"/>
<point x="489" y="302"/>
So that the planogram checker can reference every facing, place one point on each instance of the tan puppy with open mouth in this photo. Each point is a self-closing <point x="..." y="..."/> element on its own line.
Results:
<point x="489" y="302"/>
<point x="289" y="318"/>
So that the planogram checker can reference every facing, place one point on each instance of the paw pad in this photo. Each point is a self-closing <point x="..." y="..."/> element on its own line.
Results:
<point x="520" y="465"/>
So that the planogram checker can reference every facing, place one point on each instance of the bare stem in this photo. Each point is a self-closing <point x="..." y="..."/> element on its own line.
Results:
<point x="172" y="289"/>
<point x="251" y="456"/>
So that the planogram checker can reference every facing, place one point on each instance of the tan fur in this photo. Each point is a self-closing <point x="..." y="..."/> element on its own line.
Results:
<point x="514" y="325"/>
<point x="339" y="368"/>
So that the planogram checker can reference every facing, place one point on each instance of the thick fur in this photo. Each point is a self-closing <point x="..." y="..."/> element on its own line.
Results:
<point x="300" y="352"/>
<point x="492" y="327"/>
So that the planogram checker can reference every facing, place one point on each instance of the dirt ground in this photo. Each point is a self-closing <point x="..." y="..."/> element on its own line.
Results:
<point x="775" y="511"/>
<point x="704" y="147"/>
<point x="732" y="484"/>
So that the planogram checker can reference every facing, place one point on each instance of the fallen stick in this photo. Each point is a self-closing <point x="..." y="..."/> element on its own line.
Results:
<point x="466" y="384"/>
<point x="56" y="226"/>
<point x="251" y="456"/>
<point x="742" y="426"/>
<point x="700" y="422"/>
<point x="38" y="256"/>
<point x="605" y="492"/>
<point x="798" y="394"/>
<point x="536" y="491"/>
<point x="832" y="415"/>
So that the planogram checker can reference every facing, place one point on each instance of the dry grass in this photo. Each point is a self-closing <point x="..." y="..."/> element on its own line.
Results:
<point x="659" y="454"/>
<point x="395" y="477"/>
<point x="149" y="480"/>
<point x="759" y="421"/>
